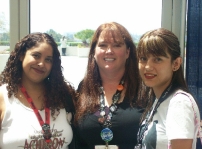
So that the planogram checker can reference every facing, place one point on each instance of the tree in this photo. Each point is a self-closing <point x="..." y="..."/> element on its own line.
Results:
<point x="2" y="23"/>
<point x="85" y="35"/>
<point x="4" y="34"/>
<point x="54" y="34"/>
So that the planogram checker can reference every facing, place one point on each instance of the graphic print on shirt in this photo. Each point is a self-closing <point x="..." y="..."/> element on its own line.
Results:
<point x="37" y="141"/>
<point x="150" y="139"/>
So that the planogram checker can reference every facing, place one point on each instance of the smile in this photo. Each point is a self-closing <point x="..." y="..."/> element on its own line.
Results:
<point x="109" y="59"/>
<point x="149" y="76"/>
<point x="38" y="71"/>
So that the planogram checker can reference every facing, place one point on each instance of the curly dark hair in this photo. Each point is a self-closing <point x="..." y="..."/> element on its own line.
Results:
<point x="59" y="93"/>
<point x="87" y="101"/>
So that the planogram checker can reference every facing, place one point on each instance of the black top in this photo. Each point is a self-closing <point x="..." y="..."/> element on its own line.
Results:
<point x="125" y="125"/>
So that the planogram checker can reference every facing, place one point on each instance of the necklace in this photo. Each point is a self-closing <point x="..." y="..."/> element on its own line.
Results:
<point x="45" y="126"/>
<point x="105" y="119"/>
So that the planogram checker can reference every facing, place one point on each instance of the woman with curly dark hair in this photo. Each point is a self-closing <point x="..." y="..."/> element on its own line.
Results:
<point x="108" y="101"/>
<point x="35" y="100"/>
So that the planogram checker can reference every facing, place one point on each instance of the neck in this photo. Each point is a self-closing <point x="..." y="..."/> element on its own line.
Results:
<point x="158" y="92"/>
<point x="111" y="78"/>
<point x="36" y="92"/>
<point x="34" y="87"/>
<point x="110" y="85"/>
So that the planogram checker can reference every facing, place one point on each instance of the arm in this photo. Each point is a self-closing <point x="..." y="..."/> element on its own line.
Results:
<point x="2" y="108"/>
<point x="180" y="122"/>
<point x="181" y="144"/>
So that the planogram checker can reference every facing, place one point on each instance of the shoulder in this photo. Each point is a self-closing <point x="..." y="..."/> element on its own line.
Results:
<point x="181" y="116"/>
<point x="2" y="103"/>
<point x="182" y="96"/>
<point x="183" y="103"/>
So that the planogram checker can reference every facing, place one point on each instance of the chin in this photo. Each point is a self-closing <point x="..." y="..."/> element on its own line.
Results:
<point x="148" y="84"/>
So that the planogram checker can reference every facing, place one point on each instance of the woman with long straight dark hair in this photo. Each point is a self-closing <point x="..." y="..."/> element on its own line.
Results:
<point x="171" y="119"/>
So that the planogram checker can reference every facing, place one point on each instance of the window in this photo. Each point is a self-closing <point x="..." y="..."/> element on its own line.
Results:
<point x="67" y="17"/>
<point x="56" y="15"/>
<point x="4" y="32"/>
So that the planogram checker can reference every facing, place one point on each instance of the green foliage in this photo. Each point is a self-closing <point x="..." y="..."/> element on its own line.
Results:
<point x="2" y="22"/>
<point x="54" y="34"/>
<point x="136" y="43"/>
<point x="58" y="43"/>
<point x="4" y="43"/>
<point x="73" y="43"/>
<point x="5" y="36"/>
<point x="85" y="35"/>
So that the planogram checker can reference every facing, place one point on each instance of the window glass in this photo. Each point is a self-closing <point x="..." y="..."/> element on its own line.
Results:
<point x="68" y="17"/>
<point x="4" y="33"/>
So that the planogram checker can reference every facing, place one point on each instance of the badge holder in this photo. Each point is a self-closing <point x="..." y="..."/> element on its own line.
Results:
<point x="106" y="135"/>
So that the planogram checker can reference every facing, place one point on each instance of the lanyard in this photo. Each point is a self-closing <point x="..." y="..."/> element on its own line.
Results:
<point x="106" y="119"/>
<point x="45" y="126"/>
<point x="150" y="115"/>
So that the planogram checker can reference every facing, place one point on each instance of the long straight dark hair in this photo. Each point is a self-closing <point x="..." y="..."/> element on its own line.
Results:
<point x="157" y="42"/>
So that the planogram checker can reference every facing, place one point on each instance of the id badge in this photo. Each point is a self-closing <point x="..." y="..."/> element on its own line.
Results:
<point x="104" y="147"/>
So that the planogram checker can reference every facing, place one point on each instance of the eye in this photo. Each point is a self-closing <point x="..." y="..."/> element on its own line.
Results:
<point x="142" y="59"/>
<point x="36" y="56"/>
<point x="117" y="45"/>
<point x="158" y="59"/>
<point x="49" y="60"/>
<point x="102" y="45"/>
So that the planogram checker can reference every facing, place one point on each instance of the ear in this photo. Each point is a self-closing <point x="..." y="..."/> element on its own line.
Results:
<point x="177" y="63"/>
<point x="128" y="52"/>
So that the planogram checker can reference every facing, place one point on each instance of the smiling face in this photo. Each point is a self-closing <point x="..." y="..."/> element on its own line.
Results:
<point x="157" y="71"/>
<point x="37" y="63"/>
<point x="110" y="53"/>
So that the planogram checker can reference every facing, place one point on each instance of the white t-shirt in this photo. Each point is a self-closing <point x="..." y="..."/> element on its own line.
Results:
<point x="174" y="119"/>
<point x="20" y="127"/>
<point x="63" y="43"/>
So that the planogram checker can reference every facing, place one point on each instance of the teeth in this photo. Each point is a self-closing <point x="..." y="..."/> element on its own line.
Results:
<point x="150" y="75"/>
<point x="108" y="59"/>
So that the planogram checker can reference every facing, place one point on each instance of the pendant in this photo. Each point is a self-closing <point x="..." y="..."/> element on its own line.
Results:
<point x="106" y="135"/>
<point x="46" y="132"/>
<point x="101" y="120"/>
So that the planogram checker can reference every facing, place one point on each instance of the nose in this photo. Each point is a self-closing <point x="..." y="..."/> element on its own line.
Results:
<point x="40" y="64"/>
<point x="148" y="65"/>
<point x="109" y="49"/>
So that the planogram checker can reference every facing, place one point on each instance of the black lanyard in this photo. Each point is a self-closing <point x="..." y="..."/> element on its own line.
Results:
<point x="106" y="119"/>
<point x="150" y="114"/>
